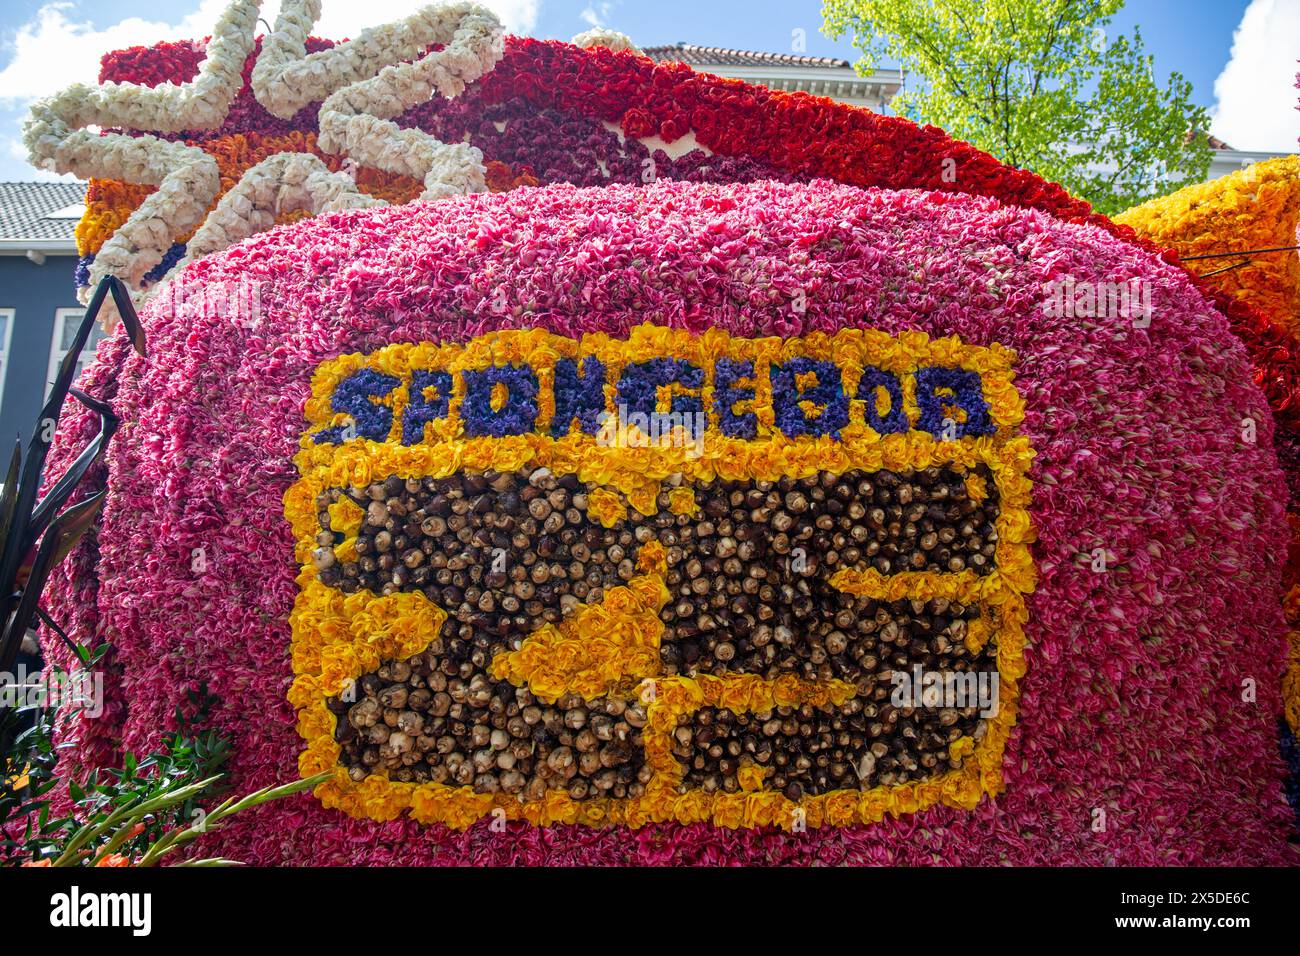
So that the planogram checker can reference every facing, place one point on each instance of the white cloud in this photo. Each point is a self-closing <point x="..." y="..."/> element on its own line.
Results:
<point x="1256" y="92"/>
<point x="61" y="45"/>
<point x="596" y="14"/>
<point x="58" y="47"/>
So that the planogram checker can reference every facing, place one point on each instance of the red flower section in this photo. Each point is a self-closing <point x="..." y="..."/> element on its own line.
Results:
<point x="165" y="62"/>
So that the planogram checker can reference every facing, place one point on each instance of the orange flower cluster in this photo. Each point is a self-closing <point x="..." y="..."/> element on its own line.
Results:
<point x="1254" y="208"/>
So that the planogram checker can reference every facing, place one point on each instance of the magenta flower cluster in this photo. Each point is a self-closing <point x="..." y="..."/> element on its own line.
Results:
<point x="1132" y="709"/>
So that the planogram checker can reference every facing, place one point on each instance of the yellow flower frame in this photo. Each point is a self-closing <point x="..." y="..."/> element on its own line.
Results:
<point x="612" y="648"/>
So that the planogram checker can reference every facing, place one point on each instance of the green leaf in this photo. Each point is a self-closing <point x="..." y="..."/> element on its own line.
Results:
<point x="1042" y="86"/>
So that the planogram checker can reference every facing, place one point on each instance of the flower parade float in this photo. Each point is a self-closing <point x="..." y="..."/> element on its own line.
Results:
<point x="597" y="450"/>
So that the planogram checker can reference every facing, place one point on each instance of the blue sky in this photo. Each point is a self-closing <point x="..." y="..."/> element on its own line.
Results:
<point x="45" y="45"/>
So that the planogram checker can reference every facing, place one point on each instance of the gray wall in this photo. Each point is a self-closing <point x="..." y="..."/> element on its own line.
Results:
<point x="34" y="293"/>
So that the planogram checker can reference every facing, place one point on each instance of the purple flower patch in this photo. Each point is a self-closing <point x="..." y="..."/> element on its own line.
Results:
<point x="424" y="407"/>
<point x="638" y="388"/>
<point x="728" y="375"/>
<point x="939" y="388"/>
<point x="827" y="394"/>
<point x="894" y="420"/>
<point x="580" y="396"/>
<point x="516" y="416"/>
<point x="356" y="396"/>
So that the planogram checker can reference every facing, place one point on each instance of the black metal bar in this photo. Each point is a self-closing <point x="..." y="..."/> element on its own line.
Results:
<point x="1206" y="275"/>
<point x="26" y="521"/>
<point x="1240" y="252"/>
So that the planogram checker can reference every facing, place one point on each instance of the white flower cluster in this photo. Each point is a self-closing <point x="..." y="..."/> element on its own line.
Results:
<point x="599" y="36"/>
<point x="283" y="183"/>
<point x="356" y="121"/>
<point x="364" y="83"/>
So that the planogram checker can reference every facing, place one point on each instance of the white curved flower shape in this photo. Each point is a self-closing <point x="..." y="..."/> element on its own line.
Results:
<point x="364" y="83"/>
<point x="599" y="36"/>
<point x="187" y="177"/>
<point x="283" y="183"/>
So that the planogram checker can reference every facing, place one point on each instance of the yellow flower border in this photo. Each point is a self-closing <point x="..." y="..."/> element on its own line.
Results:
<point x="613" y="647"/>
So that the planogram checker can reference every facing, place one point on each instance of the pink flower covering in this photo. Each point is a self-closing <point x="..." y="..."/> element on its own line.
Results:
<point x="1133" y="699"/>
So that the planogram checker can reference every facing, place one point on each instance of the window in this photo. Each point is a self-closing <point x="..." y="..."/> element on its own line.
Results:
<point x="6" y="333"/>
<point x="65" y="331"/>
